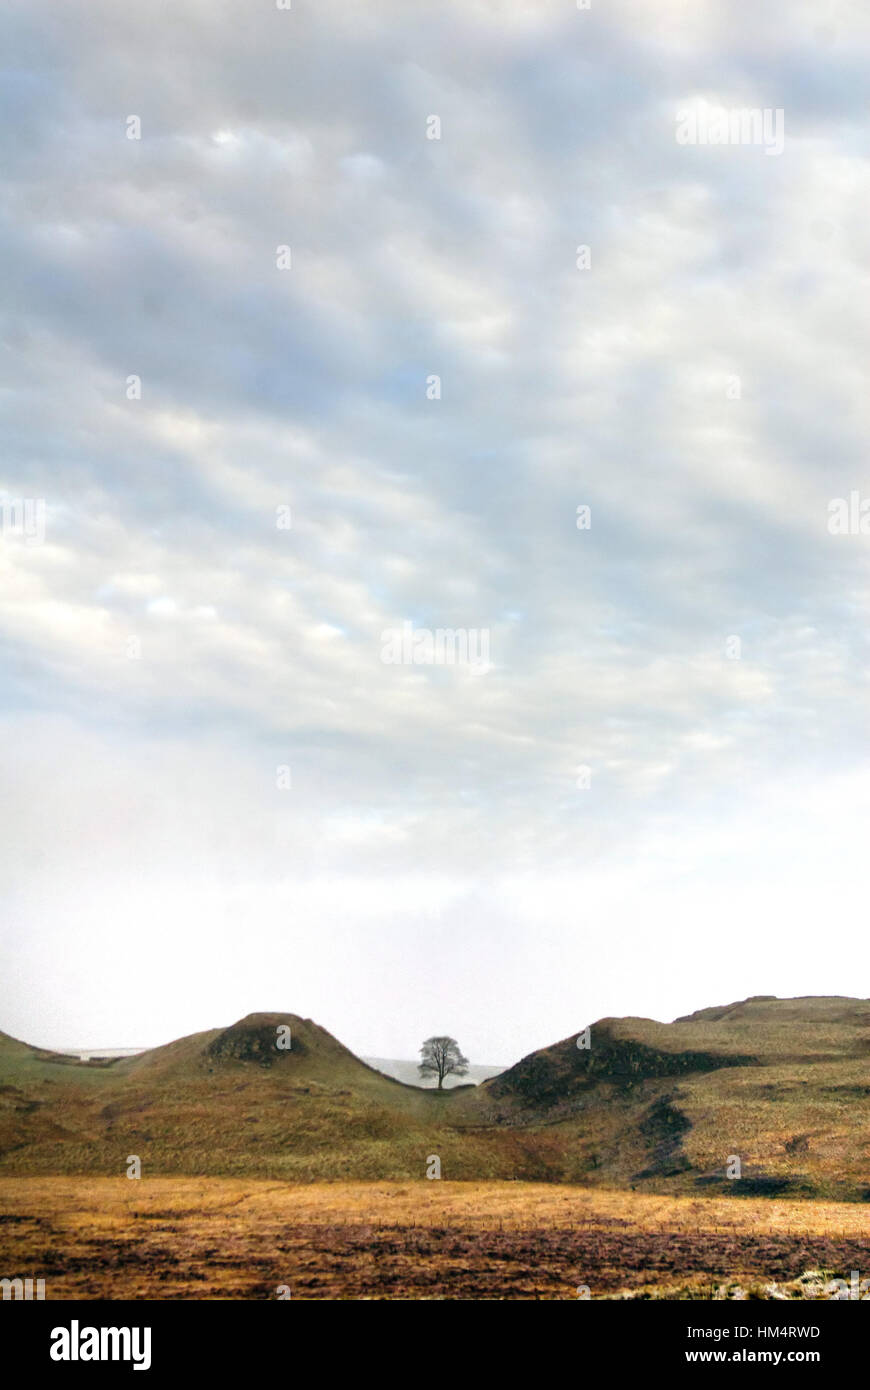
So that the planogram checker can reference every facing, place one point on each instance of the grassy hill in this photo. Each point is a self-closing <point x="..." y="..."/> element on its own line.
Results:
<point x="782" y="1084"/>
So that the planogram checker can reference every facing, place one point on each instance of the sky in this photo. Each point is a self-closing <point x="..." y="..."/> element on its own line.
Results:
<point x="326" y="320"/>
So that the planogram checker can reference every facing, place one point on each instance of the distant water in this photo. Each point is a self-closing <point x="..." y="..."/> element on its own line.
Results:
<point x="87" y="1054"/>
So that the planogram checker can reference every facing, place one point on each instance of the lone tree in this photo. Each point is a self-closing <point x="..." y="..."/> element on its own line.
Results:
<point x="441" y="1057"/>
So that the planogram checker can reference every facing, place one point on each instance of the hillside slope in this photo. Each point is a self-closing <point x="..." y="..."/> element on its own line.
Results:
<point x="781" y="1084"/>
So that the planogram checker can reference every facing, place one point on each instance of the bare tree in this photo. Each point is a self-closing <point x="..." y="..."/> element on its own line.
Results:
<point x="441" y="1057"/>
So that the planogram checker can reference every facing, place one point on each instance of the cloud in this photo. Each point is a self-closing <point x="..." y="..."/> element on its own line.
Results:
<point x="172" y="642"/>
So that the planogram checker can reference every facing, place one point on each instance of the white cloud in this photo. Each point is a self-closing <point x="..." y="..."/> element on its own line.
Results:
<point x="147" y="779"/>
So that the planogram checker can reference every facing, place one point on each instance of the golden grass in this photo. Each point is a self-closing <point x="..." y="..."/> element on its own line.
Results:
<point x="239" y="1239"/>
<point x="515" y="1204"/>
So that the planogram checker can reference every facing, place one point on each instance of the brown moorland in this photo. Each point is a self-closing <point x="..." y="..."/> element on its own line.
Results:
<point x="226" y="1238"/>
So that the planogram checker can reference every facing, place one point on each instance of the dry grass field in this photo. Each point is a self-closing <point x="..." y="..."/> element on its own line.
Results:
<point x="224" y="1238"/>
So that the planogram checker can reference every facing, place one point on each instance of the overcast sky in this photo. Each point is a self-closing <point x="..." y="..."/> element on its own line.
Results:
<point x="169" y="642"/>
